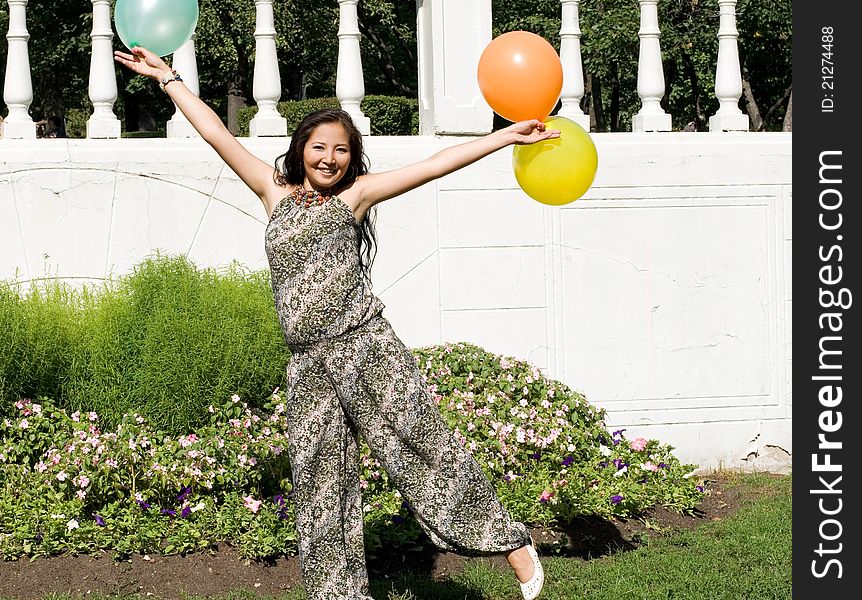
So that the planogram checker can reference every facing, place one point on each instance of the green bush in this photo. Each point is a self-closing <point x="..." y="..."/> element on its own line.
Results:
<point x="389" y="115"/>
<point x="165" y="341"/>
<point x="36" y="333"/>
<point x="544" y="446"/>
<point x="76" y="122"/>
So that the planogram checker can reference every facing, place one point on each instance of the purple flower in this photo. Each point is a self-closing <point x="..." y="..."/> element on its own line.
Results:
<point x="619" y="463"/>
<point x="603" y="464"/>
<point x="184" y="494"/>
<point x="168" y="511"/>
<point x="99" y="520"/>
<point x="568" y="460"/>
<point x="143" y="504"/>
<point x="536" y="456"/>
<point x="616" y="499"/>
<point x="699" y="488"/>
<point x="662" y="465"/>
<point x="397" y="519"/>
<point x="186" y="512"/>
<point x="279" y="500"/>
<point x="618" y="433"/>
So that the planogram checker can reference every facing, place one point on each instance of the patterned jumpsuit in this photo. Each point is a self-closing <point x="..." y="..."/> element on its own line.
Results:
<point x="350" y="375"/>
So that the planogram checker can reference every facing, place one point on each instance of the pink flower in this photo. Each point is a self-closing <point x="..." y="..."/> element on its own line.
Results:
<point x="250" y="503"/>
<point x="546" y="495"/>
<point x="638" y="444"/>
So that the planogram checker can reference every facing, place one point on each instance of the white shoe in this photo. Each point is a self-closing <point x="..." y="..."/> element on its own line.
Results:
<point x="533" y="587"/>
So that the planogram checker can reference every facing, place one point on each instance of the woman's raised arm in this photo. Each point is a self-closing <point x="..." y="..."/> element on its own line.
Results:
<point x="257" y="174"/>
<point x="376" y="187"/>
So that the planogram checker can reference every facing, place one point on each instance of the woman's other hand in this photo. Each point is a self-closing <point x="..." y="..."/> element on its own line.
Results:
<point x="143" y="62"/>
<point x="530" y="132"/>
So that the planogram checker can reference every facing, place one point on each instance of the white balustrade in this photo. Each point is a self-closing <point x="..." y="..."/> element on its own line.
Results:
<point x="650" y="86"/>
<point x="184" y="61"/>
<point x="103" y="123"/>
<point x="349" y="80"/>
<point x="18" y="86"/>
<point x="266" y="88"/>
<point x="452" y="34"/>
<point x="573" y="69"/>
<point x="728" y="76"/>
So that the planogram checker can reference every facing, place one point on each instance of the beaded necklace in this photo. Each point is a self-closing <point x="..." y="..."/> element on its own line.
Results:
<point x="304" y="197"/>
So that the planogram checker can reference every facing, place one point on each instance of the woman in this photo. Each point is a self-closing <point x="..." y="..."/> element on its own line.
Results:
<point x="349" y="375"/>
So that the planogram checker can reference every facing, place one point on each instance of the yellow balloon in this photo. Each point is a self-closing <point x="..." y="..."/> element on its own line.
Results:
<point x="557" y="171"/>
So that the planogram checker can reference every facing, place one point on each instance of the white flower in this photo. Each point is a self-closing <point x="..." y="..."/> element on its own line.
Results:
<point x="197" y="507"/>
<point x="621" y="472"/>
<point x="24" y="424"/>
<point x="604" y="450"/>
<point x="72" y="524"/>
<point x="62" y="475"/>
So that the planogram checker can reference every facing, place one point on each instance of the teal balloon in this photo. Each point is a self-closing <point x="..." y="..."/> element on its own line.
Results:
<point x="161" y="26"/>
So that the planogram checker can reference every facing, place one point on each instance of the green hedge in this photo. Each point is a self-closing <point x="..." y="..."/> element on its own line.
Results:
<point x="165" y="341"/>
<point x="390" y="115"/>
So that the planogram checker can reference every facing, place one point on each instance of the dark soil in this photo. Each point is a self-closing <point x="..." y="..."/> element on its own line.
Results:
<point x="222" y="570"/>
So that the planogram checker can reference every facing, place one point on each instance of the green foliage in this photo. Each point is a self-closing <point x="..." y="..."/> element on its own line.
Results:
<point x="68" y="483"/>
<point x="36" y="332"/>
<point x="544" y="446"/>
<point x="165" y="341"/>
<point x="390" y="115"/>
<point x="76" y="122"/>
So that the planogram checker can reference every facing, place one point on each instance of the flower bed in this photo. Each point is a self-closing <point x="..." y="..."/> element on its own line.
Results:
<point x="68" y="486"/>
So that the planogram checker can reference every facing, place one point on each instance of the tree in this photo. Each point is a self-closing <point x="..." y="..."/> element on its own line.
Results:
<point x="765" y="43"/>
<point x="59" y="49"/>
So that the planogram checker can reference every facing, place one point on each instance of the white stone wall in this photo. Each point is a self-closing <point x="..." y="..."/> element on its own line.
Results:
<point x="663" y="294"/>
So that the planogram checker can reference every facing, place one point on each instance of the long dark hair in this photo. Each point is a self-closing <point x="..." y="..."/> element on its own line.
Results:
<point x="289" y="169"/>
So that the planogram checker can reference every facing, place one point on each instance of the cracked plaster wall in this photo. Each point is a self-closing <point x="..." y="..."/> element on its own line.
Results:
<point x="663" y="294"/>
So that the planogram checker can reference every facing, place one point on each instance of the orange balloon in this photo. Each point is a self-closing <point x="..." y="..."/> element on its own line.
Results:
<point x="520" y="76"/>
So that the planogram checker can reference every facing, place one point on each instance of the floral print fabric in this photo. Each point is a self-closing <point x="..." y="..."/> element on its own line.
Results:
<point x="351" y="376"/>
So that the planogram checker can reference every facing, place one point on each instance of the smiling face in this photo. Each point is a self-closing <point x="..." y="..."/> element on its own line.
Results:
<point x="326" y="156"/>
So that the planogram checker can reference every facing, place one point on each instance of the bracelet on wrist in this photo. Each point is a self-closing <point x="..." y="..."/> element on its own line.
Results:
<point x="167" y="78"/>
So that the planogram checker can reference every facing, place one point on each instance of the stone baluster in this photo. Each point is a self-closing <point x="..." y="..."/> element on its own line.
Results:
<point x="573" y="70"/>
<point x="728" y="76"/>
<point x="266" y="88"/>
<point x="184" y="60"/>
<point x="650" y="86"/>
<point x="103" y="123"/>
<point x="349" y="80"/>
<point x="18" y="85"/>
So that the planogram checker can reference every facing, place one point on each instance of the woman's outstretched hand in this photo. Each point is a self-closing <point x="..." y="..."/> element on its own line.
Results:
<point x="143" y="62"/>
<point x="530" y="132"/>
